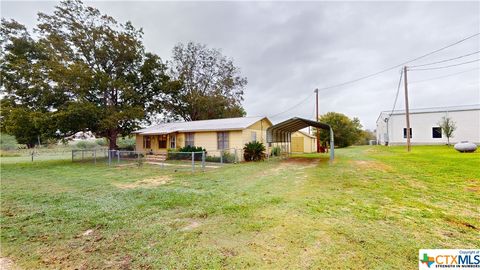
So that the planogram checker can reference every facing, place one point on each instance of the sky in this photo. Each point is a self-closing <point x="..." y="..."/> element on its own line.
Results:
<point x="287" y="49"/>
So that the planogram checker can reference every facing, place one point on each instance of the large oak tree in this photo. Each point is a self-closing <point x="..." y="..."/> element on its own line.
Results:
<point x="84" y="71"/>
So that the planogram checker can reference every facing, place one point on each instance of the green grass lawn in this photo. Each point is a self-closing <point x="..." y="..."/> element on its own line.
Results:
<point x="373" y="208"/>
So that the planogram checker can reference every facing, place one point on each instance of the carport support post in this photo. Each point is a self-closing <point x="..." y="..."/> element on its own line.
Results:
<point x="332" y="146"/>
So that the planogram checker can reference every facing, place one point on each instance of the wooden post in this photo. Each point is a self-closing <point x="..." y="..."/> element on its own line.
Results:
<point x="407" y="113"/>
<point x="316" y="117"/>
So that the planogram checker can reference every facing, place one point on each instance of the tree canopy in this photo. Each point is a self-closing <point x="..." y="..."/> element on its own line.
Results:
<point x="211" y="85"/>
<point x="346" y="131"/>
<point x="83" y="70"/>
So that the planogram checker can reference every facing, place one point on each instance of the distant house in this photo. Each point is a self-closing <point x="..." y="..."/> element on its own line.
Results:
<point x="424" y="126"/>
<point x="215" y="135"/>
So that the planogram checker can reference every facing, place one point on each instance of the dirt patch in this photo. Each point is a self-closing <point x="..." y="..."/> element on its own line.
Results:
<point x="145" y="183"/>
<point x="301" y="161"/>
<point x="462" y="224"/>
<point x="297" y="163"/>
<point x="371" y="165"/>
<point x="7" y="264"/>
<point x="192" y="225"/>
<point x="475" y="187"/>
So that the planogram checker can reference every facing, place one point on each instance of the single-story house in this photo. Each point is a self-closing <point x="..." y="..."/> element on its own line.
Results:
<point x="303" y="142"/>
<point x="215" y="136"/>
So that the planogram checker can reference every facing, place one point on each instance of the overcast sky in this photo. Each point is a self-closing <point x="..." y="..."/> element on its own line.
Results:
<point x="287" y="49"/>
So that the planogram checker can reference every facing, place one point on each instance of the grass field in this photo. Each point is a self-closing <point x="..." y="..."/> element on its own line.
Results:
<point x="373" y="208"/>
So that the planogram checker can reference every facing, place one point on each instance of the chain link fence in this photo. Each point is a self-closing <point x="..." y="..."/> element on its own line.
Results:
<point x="191" y="161"/>
<point x="40" y="154"/>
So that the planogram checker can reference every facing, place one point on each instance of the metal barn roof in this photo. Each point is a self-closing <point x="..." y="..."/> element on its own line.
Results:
<point x="277" y="132"/>
<point x="224" y="124"/>
<point x="472" y="107"/>
<point x="282" y="132"/>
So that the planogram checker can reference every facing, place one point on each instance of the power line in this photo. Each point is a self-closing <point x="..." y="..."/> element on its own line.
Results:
<point x="399" y="65"/>
<point x="445" y="76"/>
<point x="459" y="64"/>
<point x="398" y="91"/>
<point x="291" y="108"/>
<point x="381" y="71"/>
<point x="446" y="60"/>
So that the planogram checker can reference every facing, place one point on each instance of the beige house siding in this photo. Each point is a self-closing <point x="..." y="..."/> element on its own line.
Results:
<point x="260" y="128"/>
<point x="208" y="139"/>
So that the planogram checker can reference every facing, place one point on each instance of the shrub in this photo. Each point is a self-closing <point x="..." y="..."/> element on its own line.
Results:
<point x="254" y="151"/>
<point x="226" y="158"/>
<point x="126" y="143"/>
<point x="276" y="151"/>
<point x="8" y="142"/>
<point x="86" y="145"/>
<point x="101" y="142"/>
<point x="189" y="148"/>
<point x="185" y="153"/>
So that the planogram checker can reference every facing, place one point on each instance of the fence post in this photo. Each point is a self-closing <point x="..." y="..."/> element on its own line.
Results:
<point x="83" y="152"/>
<point x="118" y="156"/>
<point x="221" y="156"/>
<point x="72" y="154"/>
<point x="203" y="160"/>
<point x="95" y="156"/>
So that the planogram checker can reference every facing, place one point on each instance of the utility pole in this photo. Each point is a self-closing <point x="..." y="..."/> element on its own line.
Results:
<point x="316" y="117"/>
<point x="407" y="113"/>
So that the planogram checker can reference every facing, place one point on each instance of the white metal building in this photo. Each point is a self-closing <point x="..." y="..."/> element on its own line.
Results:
<point x="391" y="127"/>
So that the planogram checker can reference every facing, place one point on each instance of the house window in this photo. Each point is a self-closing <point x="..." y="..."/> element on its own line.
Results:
<point x="254" y="136"/>
<point x="189" y="139"/>
<point x="173" y="141"/>
<point x="222" y="140"/>
<point x="436" y="132"/>
<point x="147" y="143"/>
<point x="162" y="141"/>
<point x="405" y="133"/>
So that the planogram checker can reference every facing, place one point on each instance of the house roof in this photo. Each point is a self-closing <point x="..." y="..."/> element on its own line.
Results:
<point x="224" y="124"/>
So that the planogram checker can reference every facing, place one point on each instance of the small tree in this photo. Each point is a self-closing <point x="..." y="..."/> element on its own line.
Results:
<point x="346" y="131"/>
<point x="254" y="151"/>
<point x="448" y="127"/>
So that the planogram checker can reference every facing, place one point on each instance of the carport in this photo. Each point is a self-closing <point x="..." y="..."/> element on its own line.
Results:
<point x="282" y="132"/>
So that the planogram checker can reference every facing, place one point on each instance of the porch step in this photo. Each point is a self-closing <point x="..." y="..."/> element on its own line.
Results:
<point x="156" y="157"/>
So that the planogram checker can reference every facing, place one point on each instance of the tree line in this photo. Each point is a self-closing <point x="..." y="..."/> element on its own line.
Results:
<point x="83" y="70"/>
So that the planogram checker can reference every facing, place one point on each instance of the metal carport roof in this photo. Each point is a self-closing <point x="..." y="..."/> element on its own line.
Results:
<point x="282" y="131"/>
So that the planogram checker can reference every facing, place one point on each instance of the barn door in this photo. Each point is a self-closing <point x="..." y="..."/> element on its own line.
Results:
<point x="297" y="144"/>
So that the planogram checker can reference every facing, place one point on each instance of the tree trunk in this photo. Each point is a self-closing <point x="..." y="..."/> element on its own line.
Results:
<point x="112" y="139"/>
